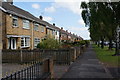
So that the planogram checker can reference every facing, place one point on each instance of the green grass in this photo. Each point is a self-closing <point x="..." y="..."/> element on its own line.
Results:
<point x="105" y="56"/>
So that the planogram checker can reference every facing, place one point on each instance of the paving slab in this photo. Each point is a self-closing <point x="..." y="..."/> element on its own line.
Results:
<point x="87" y="66"/>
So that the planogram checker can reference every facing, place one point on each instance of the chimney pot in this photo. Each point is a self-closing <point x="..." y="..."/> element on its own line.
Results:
<point x="62" y="28"/>
<point x="53" y="24"/>
<point x="41" y="17"/>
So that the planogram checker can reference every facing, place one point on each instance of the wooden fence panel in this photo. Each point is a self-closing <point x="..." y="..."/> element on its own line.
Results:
<point x="60" y="56"/>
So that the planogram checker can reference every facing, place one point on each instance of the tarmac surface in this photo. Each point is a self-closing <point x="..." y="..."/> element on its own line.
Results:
<point x="87" y="66"/>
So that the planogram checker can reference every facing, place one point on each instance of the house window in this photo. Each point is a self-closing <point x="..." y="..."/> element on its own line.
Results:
<point x="25" y="42"/>
<point x="26" y="24"/>
<point x="36" y="42"/>
<point x="53" y="32"/>
<point x="15" y="21"/>
<point x="36" y="27"/>
<point x="42" y="28"/>
<point x="56" y="32"/>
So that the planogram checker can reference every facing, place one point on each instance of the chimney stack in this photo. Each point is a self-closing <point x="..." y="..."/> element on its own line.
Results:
<point x="53" y="24"/>
<point x="10" y="1"/>
<point x="1" y="2"/>
<point x="61" y="28"/>
<point x="66" y="30"/>
<point x="41" y="17"/>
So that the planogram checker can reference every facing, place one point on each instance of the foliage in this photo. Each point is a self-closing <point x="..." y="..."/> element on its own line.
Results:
<point x="49" y="43"/>
<point x="76" y="43"/>
<point x="82" y="42"/>
<point x="101" y="24"/>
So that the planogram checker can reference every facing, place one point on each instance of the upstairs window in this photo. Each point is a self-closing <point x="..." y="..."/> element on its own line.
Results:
<point x="26" y="24"/>
<point x="56" y="33"/>
<point x="42" y="28"/>
<point x="36" y="27"/>
<point x="15" y="21"/>
<point x="53" y="32"/>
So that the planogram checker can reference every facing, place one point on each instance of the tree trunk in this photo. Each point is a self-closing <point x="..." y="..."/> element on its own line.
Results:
<point x="110" y="44"/>
<point x="95" y="42"/>
<point x="98" y="44"/>
<point x="117" y="43"/>
<point x="102" y="43"/>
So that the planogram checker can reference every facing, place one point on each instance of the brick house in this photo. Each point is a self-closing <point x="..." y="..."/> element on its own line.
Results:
<point x="21" y="29"/>
<point x="63" y="35"/>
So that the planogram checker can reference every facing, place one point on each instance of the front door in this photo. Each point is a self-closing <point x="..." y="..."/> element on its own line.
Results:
<point x="13" y="43"/>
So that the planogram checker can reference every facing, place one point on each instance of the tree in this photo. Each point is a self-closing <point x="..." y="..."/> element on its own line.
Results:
<point x="102" y="19"/>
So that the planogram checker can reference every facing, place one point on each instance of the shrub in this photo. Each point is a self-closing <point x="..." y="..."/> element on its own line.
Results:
<point x="49" y="43"/>
<point x="82" y="42"/>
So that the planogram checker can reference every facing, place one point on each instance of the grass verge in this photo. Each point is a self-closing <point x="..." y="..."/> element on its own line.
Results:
<point x="105" y="56"/>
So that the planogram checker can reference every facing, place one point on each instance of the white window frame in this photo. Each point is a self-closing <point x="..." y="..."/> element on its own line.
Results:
<point x="52" y="32"/>
<point x="16" y="22"/>
<point x="42" y="28"/>
<point x="36" y="42"/>
<point x="26" y="24"/>
<point x="26" y="42"/>
<point x="36" y="27"/>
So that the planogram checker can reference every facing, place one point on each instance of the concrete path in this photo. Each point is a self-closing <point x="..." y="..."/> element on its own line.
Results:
<point x="87" y="66"/>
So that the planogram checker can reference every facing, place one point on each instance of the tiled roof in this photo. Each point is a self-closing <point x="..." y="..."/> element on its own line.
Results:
<point x="20" y="12"/>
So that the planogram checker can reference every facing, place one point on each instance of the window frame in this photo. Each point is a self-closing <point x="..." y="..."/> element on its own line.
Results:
<point x="26" y="22"/>
<point x="15" y="18"/>
<point x="36" y="42"/>
<point x="26" y="42"/>
<point x="36" y="25"/>
<point x="42" y="29"/>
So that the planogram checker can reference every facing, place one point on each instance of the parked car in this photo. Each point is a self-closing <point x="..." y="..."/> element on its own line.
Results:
<point x="106" y="43"/>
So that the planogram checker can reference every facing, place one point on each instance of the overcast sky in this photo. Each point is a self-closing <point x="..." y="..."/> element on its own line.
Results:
<point x="63" y="14"/>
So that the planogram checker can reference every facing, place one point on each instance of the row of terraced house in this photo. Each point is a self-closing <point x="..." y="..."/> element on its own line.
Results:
<point x="22" y="30"/>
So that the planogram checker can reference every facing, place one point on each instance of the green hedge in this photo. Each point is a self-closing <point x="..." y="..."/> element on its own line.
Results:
<point x="49" y="43"/>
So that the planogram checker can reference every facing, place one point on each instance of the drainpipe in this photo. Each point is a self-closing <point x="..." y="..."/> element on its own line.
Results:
<point x="0" y="41"/>
<point x="32" y="37"/>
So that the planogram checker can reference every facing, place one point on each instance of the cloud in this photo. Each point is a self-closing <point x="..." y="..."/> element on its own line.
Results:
<point x="72" y="5"/>
<point x="81" y="22"/>
<point x="81" y="31"/>
<point x="36" y="6"/>
<point x="47" y="18"/>
<point x="50" y="9"/>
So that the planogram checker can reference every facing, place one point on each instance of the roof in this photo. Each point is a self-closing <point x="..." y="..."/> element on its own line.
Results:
<point x="20" y="12"/>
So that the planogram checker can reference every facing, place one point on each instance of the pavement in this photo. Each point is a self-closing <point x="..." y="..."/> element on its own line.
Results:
<point x="87" y="66"/>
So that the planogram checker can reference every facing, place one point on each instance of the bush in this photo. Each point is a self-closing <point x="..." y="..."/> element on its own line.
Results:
<point x="82" y="42"/>
<point x="49" y="43"/>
